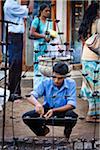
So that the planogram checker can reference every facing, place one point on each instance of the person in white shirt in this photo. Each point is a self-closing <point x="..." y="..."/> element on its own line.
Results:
<point x="16" y="13"/>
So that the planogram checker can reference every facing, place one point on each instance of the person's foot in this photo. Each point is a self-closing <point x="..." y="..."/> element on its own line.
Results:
<point x="92" y="119"/>
<point x="44" y="131"/>
<point x="67" y="133"/>
<point x="14" y="97"/>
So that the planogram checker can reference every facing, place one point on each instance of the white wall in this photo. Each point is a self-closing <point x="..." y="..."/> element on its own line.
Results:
<point x="61" y="15"/>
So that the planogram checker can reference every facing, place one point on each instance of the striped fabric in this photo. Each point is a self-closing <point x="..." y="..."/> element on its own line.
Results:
<point x="92" y="71"/>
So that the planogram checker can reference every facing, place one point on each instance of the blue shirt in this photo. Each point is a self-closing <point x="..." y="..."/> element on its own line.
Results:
<point x="56" y="97"/>
<point x="16" y="13"/>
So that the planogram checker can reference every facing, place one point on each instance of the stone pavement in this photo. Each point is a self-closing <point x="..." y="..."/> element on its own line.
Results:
<point x="82" y="130"/>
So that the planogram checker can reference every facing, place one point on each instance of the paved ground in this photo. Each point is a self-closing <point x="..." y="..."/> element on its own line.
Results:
<point x="82" y="130"/>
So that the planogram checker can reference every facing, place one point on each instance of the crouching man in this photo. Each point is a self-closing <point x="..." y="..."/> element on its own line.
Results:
<point x="59" y="94"/>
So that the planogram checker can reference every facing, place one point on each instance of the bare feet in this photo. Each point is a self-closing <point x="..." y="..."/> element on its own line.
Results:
<point x="93" y="119"/>
<point x="18" y="101"/>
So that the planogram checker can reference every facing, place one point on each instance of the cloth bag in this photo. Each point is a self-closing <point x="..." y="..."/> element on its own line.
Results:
<point x="93" y="43"/>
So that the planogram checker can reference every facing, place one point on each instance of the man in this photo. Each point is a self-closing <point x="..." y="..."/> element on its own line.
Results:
<point x="15" y="13"/>
<point x="59" y="99"/>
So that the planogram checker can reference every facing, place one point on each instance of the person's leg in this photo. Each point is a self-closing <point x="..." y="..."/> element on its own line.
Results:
<point x="15" y="78"/>
<point x="94" y="110"/>
<point x="29" y="120"/>
<point x="94" y="98"/>
<point x="15" y="63"/>
<point x="70" y="122"/>
<point x="90" y="84"/>
<point x="35" y="123"/>
<point x="39" y="51"/>
<point x="67" y="119"/>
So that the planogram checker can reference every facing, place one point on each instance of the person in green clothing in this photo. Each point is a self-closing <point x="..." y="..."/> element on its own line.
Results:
<point x="90" y="89"/>
<point x="39" y="27"/>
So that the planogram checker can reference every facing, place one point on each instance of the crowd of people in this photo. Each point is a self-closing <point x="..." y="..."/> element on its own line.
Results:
<point x="59" y="91"/>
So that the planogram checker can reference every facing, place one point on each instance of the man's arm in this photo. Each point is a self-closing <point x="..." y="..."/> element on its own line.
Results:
<point x="18" y="10"/>
<point x="32" y="100"/>
<point x="38" y="106"/>
<point x="59" y="109"/>
<point x="63" y="108"/>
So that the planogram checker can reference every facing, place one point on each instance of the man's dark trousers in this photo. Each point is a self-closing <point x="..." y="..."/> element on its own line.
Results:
<point x="67" y="119"/>
<point x="15" y="50"/>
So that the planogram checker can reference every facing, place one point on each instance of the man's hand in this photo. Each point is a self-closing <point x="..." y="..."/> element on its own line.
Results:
<point x="39" y="109"/>
<point x="49" y="114"/>
<point x="47" y="39"/>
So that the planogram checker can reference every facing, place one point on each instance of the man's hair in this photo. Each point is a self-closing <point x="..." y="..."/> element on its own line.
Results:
<point x="60" y="68"/>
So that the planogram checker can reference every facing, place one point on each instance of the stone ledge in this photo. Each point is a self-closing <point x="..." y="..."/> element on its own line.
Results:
<point x="52" y="143"/>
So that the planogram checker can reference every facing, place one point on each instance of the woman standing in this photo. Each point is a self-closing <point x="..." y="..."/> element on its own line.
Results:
<point x="90" y="62"/>
<point x="39" y="28"/>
